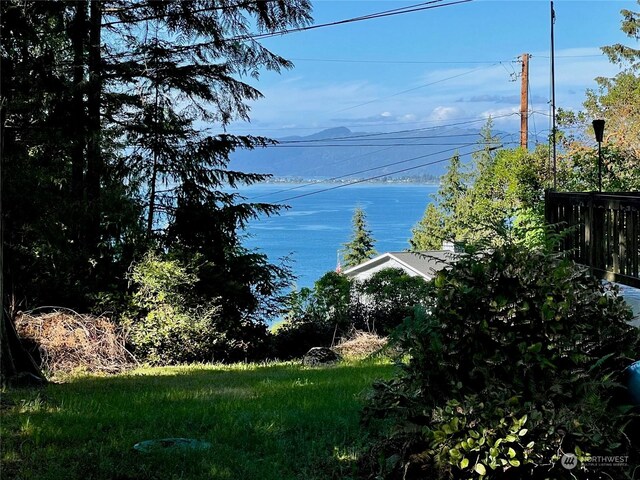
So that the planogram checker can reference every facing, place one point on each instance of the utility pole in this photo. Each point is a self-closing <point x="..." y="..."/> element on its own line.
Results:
<point x="553" y="98"/>
<point x="524" y="103"/>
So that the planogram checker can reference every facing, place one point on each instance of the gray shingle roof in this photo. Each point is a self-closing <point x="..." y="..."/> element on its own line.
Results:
<point x="426" y="264"/>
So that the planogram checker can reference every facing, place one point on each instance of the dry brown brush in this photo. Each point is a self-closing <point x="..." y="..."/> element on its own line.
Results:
<point x="63" y="341"/>
<point x="360" y="344"/>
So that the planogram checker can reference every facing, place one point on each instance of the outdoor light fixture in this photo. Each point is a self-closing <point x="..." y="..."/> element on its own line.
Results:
<point x="598" y="128"/>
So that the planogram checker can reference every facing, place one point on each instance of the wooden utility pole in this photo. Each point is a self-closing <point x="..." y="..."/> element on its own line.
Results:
<point x="524" y="103"/>
<point x="553" y="98"/>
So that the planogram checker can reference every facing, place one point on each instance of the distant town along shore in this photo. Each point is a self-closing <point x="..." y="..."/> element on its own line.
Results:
<point x="417" y="179"/>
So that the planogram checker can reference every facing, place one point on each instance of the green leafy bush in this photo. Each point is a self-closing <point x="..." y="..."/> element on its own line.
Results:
<point x="515" y="361"/>
<point x="315" y="317"/>
<point x="338" y="306"/>
<point x="167" y="328"/>
<point x="391" y="295"/>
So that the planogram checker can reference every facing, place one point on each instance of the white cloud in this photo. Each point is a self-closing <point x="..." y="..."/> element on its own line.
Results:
<point x="439" y="96"/>
<point x="444" y="114"/>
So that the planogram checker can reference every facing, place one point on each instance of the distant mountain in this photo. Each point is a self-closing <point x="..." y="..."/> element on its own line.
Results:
<point x="339" y="152"/>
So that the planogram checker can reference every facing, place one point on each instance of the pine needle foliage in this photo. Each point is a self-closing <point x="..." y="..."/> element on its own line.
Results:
<point x="361" y="246"/>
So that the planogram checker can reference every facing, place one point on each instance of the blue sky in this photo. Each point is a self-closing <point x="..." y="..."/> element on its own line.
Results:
<point x="459" y="62"/>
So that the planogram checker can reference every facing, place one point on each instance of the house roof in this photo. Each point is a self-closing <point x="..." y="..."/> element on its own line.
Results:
<point x="426" y="264"/>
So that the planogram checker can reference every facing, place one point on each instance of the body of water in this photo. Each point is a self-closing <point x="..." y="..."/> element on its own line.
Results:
<point x="316" y="226"/>
<point x="313" y="229"/>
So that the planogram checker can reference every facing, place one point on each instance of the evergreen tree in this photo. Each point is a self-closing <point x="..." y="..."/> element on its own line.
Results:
<point x="361" y="245"/>
<point x="110" y="148"/>
<point x="195" y="59"/>
<point x="452" y="186"/>
<point x="441" y="220"/>
<point x="32" y="205"/>
<point x="121" y="121"/>
<point x="499" y="188"/>
<point x="428" y="233"/>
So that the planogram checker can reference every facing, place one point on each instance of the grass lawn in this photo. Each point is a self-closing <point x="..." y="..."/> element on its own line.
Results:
<point x="277" y="421"/>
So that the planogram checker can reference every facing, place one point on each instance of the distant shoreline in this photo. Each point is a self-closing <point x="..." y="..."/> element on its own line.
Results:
<point x="377" y="181"/>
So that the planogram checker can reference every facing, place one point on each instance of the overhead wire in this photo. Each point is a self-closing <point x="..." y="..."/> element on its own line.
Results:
<point x="375" y="177"/>
<point x="342" y="160"/>
<point x="388" y="13"/>
<point x="471" y="120"/>
<point x="530" y="112"/>
<point x="377" y="167"/>
<point x="259" y="36"/>
<point x="380" y="134"/>
<point x="401" y="62"/>
<point x="343" y="145"/>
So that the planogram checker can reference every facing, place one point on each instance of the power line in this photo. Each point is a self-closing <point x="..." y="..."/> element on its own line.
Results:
<point x="350" y="174"/>
<point x="342" y="145"/>
<point x="335" y="163"/>
<point x="398" y="11"/>
<point x="530" y="113"/>
<point x="381" y="134"/>
<point x="571" y="56"/>
<point x="378" y="167"/>
<point x="252" y="37"/>
<point x="409" y="62"/>
<point x="355" y="182"/>
<point x="435" y="127"/>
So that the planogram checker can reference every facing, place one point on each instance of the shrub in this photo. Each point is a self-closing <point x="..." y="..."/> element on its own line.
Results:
<point x="514" y="362"/>
<point x="166" y="329"/>
<point x="338" y="305"/>
<point x="294" y="339"/>
<point x="391" y="294"/>
<point x="315" y="317"/>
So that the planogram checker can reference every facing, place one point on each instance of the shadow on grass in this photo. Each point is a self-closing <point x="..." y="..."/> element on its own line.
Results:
<point x="276" y="421"/>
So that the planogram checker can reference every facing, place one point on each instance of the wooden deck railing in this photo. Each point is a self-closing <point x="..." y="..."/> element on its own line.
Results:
<point x="602" y="231"/>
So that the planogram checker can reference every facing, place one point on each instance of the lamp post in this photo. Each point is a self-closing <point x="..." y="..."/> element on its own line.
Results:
<point x="598" y="128"/>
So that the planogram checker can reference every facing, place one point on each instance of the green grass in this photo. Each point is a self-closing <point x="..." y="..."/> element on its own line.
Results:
<point x="278" y="421"/>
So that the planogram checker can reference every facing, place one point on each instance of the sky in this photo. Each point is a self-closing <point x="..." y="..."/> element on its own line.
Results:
<point x="448" y="65"/>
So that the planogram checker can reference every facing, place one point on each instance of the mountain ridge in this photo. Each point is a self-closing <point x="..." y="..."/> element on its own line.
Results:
<point x="339" y="153"/>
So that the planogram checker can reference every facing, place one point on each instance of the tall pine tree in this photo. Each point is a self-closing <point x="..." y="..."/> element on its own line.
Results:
<point x="428" y="233"/>
<point x="118" y="143"/>
<point x="361" y="245"/>
<point x="441" y="220"/>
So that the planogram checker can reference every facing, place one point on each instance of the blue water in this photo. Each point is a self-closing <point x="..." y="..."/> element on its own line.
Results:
<point x="314" y="228"/>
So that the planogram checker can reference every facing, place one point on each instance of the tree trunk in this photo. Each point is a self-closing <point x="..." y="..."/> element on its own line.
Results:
<point x="78" y="117"/>
<point x="15" y="362"/>
<point x="154" y="168"/>
<point x="94" y="153"/>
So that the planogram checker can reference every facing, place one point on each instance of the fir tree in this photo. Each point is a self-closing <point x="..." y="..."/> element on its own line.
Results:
<point x="428" y="233"/>
<point x="441" y="219"/>
<point x="361" y="246"/>
<point x="452" y="186"/>
<point x="121" y="131"/>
